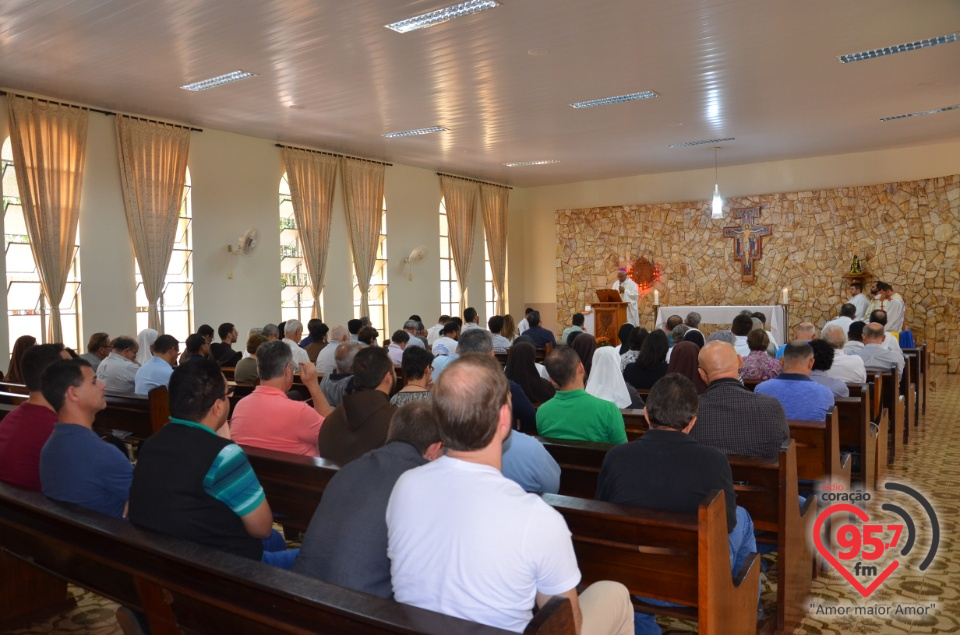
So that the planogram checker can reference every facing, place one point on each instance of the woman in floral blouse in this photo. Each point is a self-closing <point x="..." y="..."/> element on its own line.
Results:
<point x="758" y="364"/>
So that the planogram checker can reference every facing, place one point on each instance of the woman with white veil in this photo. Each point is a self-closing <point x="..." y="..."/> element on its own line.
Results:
<point x="145" y="339"/>
<point x="606" y="381"/>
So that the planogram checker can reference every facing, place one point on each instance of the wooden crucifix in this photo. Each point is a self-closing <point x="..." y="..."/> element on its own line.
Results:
<point x="747" y="239"/>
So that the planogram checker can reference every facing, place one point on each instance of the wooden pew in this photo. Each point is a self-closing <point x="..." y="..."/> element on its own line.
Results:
<point x="853" y="417"/>
<point x="634" y="423"/>
<point x="285" y="471"/>
<point x="818" y="450"/>
<point x="679" y="558"/>
<point x="766" y="488"/>
<point x="140" y="416"/>
<point x="890" y="401"/>
<point x="183" y="587"/>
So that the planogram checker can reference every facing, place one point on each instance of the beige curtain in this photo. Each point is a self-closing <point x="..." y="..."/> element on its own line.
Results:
<point x="49" y="146"/>
<point x="153" y="166"/>
<point x="460" y="198"/>
<point x="493" y="202"/>
<point x="312" y="177"/>
<point x="363" y="200"/>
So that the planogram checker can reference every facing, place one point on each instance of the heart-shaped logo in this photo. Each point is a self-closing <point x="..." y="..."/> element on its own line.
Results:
<point x="817" y="540"/>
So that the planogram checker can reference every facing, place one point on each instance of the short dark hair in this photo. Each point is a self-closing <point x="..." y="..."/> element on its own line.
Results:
<point x="742" y="325"/>
<point x="637" y="336"/>
<point x="452" y="326"/>
<point x="415" y="361"/>
<point x="273" y="359"/>
<point x="527" y="311"/>
<point x="123" y="343"/>
<point x="470" y="314"/>
<point x="467" y="400"/>
<point x="857" y="286"/>
<point x="672" y="402"/>
<point x="475" y="341"/>
<point x="533" y="319"/>
<point x="848" y="310"/>
<point x="760" y="316"/>
<point x="205" y="330"/>
<point x="673" y="321"/>
<point x="58" y="377"/>
<point x="400" y="337"/>
<point x="317" y="330"/>
<point x="577" y="319"/>
<point x="165" y="343"/>
<point x="822" y="354"/>
<point x="224" y="330"/>
<point x="354" y="326"/>
<point x="758" y="340"/>
<point x="97" y="341"/>
<point x="495" y="324"/>
<point x="194" y="343"/>
<point x="796" y="351"/>
<point x="879" y="316"/>
<point x="194" y="388"/>
<point x="254" y="342"/>
<point x="561" y="364"/>
<point x="415" y="424"/>
<point x="855" y="332"/>
<point x="415" y="318"/>
<point x="35" y="361"/>
<point x="367" y="335"/>
<point x="369" y="368"/>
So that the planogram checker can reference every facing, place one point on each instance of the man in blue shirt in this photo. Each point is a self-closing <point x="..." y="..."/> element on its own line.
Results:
<point x="157" y="370"/>
<point x="801" y="397"/>
<point x="541" y="336"/>
<point x="75" y="465"/>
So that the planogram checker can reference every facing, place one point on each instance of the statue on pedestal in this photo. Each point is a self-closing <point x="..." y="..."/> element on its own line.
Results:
<point x="855" y="267"/>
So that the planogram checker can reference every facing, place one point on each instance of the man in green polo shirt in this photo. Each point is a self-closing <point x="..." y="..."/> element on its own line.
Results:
<point x="573" y="413"/>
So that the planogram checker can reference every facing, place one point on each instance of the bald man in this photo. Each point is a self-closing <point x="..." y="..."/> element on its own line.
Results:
<point x="805" y="332"/>
<point x="731" y="418"/>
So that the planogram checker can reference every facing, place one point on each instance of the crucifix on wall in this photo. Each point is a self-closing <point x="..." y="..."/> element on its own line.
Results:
<point x="747" y="239"/>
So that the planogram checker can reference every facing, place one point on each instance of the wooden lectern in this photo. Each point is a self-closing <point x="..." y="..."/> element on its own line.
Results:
<point x="609" y="313"/>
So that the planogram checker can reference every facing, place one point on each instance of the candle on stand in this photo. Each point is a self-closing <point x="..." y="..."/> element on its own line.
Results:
<point x="786" y="296"/>
<point x="656" y="297"/>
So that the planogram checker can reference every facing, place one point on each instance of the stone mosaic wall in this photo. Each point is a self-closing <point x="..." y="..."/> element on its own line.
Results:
<point x="906" y="234"/>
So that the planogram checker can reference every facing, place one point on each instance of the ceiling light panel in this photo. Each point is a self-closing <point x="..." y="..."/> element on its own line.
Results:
<point x="442" y="15"/>
<point x="220" y="80"/>
<point x="647" y="94"/>
<point x="700" y="143"/>
<point x="899" y="48"/>
<point x="412" y="133"/>
<point x="921" y="113"/>
<point x="522" y="164"/>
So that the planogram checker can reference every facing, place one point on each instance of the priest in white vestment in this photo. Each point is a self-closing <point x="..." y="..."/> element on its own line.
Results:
<point x="630" y="293"/>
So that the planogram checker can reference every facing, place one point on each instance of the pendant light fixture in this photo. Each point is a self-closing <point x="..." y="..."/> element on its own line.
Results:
<point x="717" y="201"/>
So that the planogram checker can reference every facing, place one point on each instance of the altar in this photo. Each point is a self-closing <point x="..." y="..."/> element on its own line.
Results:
<point x="776" y="316"/>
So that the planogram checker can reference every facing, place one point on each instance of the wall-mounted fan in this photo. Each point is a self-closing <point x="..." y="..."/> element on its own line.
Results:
<point x="416" y="256"/>
<point x="247" y="243"/>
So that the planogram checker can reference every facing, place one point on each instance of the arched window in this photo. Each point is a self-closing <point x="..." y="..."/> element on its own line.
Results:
<point x="449" y="285"/>
<point x="26" y="307"/>
<point x="377" y="297"/>
<point x="176" y="301"/>
<point x="296" y="299"/>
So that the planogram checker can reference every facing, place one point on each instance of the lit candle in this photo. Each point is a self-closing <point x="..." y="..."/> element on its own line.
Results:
<point x="786" y="296"/>
<point x="656" y="297"/>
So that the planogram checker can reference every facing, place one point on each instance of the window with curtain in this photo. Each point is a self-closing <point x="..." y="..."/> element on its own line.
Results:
<point x="176" y="301"/>
<point x="296" y="300"/>
<point x="449" y="285"/>
<point x="490" y="291"/>
<point x="26" y="306"/>
<point x="377" y="297"/>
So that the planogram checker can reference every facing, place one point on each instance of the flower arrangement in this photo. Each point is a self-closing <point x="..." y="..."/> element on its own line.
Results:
<point x="603" y="341"/>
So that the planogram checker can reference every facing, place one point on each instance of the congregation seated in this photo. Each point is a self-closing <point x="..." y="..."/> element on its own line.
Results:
<point x="339" y="382"/>
<point x="801" y="397"/>
<point x="316" y="339"/>
<point x="874" y="354"/>
<point x="651" y="363"/>
<point x="156" y="372"/>
<point x="741" y="327"/>
<point x="24" y="430"/>
<point x="854" y="337"/>
<point x="521" y="368"/>
<point x="118" y="371"/>
<point x="732" y="418"/>
<point x="573" y="413"/>
<point x="413" y="327"/>
<point x="246" y="370"/>
<point x="98" y="347"/>
<point x="368" y="336"/>
<point x="672" y="322"/>
<point x="75" y="465"/>
<point x="633" y="345"/>
<point x="606" y="381"/>
<point x="419" y="376"/>
<point x="848" y="313"/>
<point x="196" y="348"/>
<point x="461" y="509"/>
<point x="222" y="351"/>
<point x="500" y="343"/>
<point x="890" y="341"/>
<point x="684" y="471"/>
<point x="195" y="485"/>
<point x="585" y="345"/>
<point x="436" y="331"/>
<point x="446" y="343"/>
<point x="292" y="334"/>
<point x="684" y="361"/>
<point x="758" y="365"/>
<point x="359" y="424"/>
<point x="540" y="336"/>
<point x="804" y="332"/>
<point x="846" y="367"/>
<point x="471" y="319"/>
<point x="326" y="358"/>
<point x="576" y="326"/>
<point x="398" y="342"/>
<point x="822" y="362"/>
<point x="145" y="340"/>
<point x="268" y="418"/>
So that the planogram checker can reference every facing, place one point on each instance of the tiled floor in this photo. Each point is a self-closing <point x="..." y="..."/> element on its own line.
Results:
<point x="930" y="464"/>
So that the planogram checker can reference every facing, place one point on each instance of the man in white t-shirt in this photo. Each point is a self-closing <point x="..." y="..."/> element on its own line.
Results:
<point x="848" y="313"/>
<point x="465" y="541"/>
<point x="436" y="330"/>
